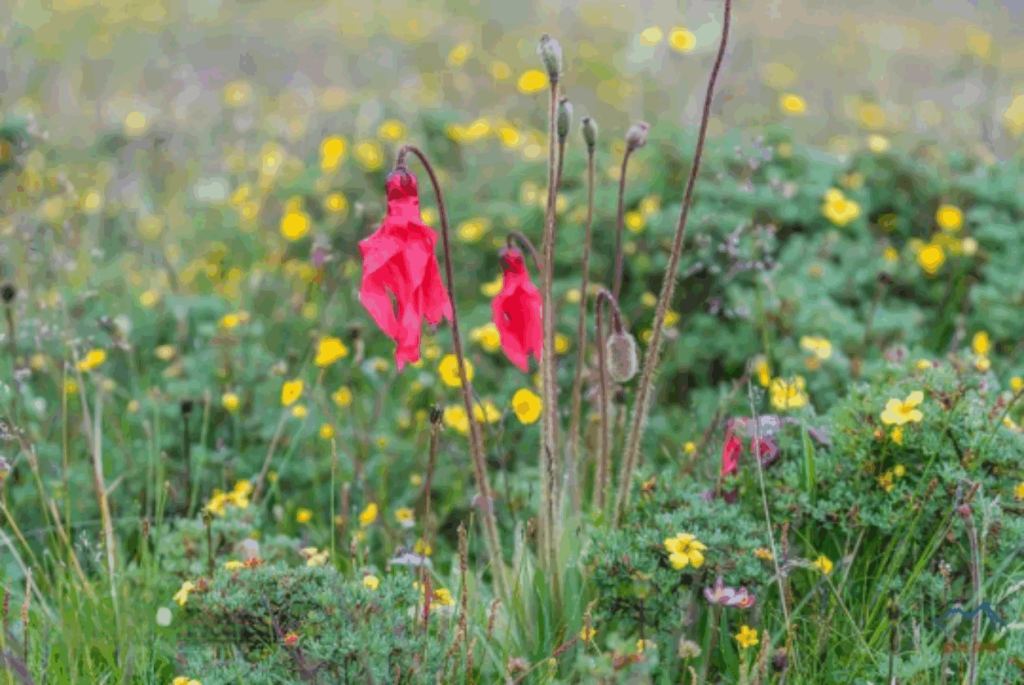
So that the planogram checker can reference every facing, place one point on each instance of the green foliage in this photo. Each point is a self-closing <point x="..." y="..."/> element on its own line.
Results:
<point x="239" y="628"/>
<point x="891" y="519"/>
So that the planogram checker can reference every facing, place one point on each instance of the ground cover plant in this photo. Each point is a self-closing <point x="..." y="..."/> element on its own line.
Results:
<point x="719" y="409"/>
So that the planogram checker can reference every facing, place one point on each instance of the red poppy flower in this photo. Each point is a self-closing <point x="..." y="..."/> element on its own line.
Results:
<point x="399" y="263"/>
<point x="517" y="311"/>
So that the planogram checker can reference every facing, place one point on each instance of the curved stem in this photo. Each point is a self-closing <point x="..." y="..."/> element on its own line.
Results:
<point x="668" y="286"/>
<point x="476" y="446"/>
<point x="581" y="342"/>
<point x="545" y="534"/>
<point x="525" y="242"/>
<point x="619" y="221"/>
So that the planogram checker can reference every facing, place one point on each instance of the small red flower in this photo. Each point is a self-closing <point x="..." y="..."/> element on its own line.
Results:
<point x="731" y="451"/>
<point x="399" y="262"/>
<point x="517" y="311"/>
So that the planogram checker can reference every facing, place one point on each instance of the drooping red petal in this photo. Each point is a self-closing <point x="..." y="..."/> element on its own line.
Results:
<point x="517" y="311"/>
<point x="400" y="268"/>
<point x="731" y="451"/>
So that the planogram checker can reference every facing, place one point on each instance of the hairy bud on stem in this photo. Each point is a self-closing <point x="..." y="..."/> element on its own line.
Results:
<point x="551" y="55"/>
<point x="588" y="130"/>
<point x="564" y="119"/>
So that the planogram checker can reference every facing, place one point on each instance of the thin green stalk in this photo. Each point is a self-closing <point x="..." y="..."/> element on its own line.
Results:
<point x="476" y="445"/>
<point x="668" y="286"/>
<point x="620" y="219"/>
<point x="604" y="440"/>
<point x="545" y="531"/>
<point x="571" y="466"/>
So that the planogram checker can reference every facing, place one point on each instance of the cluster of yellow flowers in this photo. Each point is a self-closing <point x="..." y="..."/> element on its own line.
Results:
<point x="788" y="394"/>
<point x="238" y="497"/>
<point x="886" y="480"/>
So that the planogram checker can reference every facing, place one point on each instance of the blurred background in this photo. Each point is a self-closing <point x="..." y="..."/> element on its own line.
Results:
<point x="947" y="71"/>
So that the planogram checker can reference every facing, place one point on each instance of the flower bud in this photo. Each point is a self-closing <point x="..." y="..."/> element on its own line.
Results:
<point x="623" y="360"/>
<point x="636" y="137"/>
<point x="564" y="119"/>
<point x="588" y="129"/>
<point x="551" y="55"/>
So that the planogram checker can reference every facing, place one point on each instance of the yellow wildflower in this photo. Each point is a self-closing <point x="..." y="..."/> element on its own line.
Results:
<point x="587" y="634"/>
<point x="370" y="155"/>
<point x="455" y="416"/>
<point x="900" y="412"/>
<point x="684" y="550"/>
<point x="788" y="394"/>
<point x="448" y="370"/>
<point x="233" y="565"/>
<point x="487" y="412"/>
<point x="533" y="81"/>
<point x="821" y="347"/>
<point x="488" y="337"/>
<point x="330" y="350"/>
<point x="368" y="515"/>
<point x="896" y="435"/>
<point x="392" y="129"/>
<point x="792" y="104"/>
<point x="371" y="582"/>
<point x="291" y="391"/>
<point x="682" y="40"/>
<point x="92" y="359"/>
<point x="326" y="431"/>
<point x="949" y="218"/>
<point x="823" y="564"/>
<point x="181" y="596"/>
<point x="527" y="405"/>
<point x="981" y="344"/>
<point x="294" y="225"/>
<point x="931" y="258"/>
<point x="303" y="516"/>
<point x="747" y="637"/>
<point x="343" y="397"/>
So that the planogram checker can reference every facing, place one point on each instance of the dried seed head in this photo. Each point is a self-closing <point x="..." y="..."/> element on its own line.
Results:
<point x="636" y="136"/>
<point x="588" y="129"/>
<point x="551" y="56"/>
<point x="436" y="415"/>
<point x="564" y="119"/>
<point x="7" y="292"/>
<point x="623" y="360"/>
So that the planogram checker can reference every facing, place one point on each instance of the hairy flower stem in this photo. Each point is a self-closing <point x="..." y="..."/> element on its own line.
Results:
<point x="668" y="286"/>
<point x="572" y="468"/>
<point x="601" y="475"/>
<point x="476" y="445"/>
<point x="619" y="221"/>
<point x="549" y="439"/>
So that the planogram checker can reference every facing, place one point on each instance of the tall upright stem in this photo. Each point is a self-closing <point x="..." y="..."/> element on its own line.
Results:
<point x="601" y="474"/>
<point x="546" y="535"/>
<point x="668" y="286"/>
<point x="476" y="445"/>
<point x="619" y="220"/>
<point x="572" y="467"/>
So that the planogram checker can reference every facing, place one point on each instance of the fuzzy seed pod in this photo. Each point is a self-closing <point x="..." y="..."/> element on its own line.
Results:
<point x="551" y="55"/>
<point x="588" y="129"/>
<point x="636" y="136"/>
<point x="564" y="119"/>
<point x="623" y="360"/>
